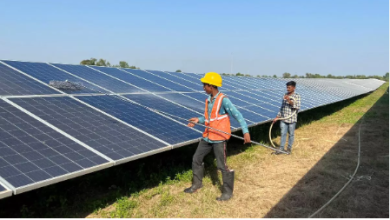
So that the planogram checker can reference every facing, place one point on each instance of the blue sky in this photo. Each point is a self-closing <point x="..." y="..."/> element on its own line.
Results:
<point x="265" y="37"/>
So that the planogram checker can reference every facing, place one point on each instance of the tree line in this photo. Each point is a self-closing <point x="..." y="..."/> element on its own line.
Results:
<point x="311" y="75"/>
<point x="103" y="62"/>
<point x="124" y="64"/>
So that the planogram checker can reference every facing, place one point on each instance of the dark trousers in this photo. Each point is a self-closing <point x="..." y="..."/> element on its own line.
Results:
<point x="204" y="148"/>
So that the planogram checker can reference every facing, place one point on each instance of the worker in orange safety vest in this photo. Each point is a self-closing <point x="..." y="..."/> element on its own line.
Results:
<point x="218" y="111"/>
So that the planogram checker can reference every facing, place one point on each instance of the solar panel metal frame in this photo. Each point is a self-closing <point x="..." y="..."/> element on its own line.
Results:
<point x="7" y="192"/>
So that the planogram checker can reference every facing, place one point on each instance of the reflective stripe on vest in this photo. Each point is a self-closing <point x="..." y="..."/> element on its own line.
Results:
<point x="220" y="122"/>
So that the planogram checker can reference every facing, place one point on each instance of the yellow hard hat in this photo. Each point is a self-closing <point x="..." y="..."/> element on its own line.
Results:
<point x="212" y="78"/>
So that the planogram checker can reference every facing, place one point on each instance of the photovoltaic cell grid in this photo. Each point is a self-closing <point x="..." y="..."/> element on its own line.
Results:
<point x="47" y="73"/>
<point x="121" y="127"/>
<point x="99" y="79"/>
<point x="146" y="120"/>
<point x="108" y="136"/>
<point x="180" y="81"/>
<point x="160" y="80"/>
<point x="32" y="152"/>
<point x="14" y="83"/>
<point x="133" y="79"/>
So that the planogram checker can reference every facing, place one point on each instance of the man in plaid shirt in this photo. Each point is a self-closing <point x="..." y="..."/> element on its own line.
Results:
<point x="288" y="107"/>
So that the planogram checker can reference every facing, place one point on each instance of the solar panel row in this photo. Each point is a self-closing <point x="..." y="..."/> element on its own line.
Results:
<point x="49" y="135"/>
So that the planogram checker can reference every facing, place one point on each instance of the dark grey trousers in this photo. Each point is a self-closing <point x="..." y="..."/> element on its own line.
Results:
<point x="204" y="148"/>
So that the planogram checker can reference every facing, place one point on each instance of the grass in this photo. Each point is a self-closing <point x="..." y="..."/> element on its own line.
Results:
<point x="324" y="155"/>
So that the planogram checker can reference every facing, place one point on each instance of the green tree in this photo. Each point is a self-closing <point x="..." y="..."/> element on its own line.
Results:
<point x="239" y="74"/>
<point x="178" y="71"/>
<point x="309" y="75"/>
<point x="109" y="64"/>
<point x="91" y="62"/>
<point x="124" y="64"/>
<point x="101" y="62"/>
<point x="386" y="76"/>
<point x="295" y="76"/>
<point x="286" y="75"/>
<point x="275" y="76"/>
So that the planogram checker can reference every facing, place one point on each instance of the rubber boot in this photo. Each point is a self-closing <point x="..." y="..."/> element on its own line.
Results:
<point x="197" y="172"/>
<point x="228" y="185"/>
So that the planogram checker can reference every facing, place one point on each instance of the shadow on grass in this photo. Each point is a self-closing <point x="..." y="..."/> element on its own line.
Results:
<point x="82" y="196"/>
<point x="361" y="198"/>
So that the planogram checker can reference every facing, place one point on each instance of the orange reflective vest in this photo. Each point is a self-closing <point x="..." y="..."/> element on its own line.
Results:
<point x="220" y="122"/>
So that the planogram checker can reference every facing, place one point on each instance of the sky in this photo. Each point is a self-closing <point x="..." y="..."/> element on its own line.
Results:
<point x="257" y="37"/>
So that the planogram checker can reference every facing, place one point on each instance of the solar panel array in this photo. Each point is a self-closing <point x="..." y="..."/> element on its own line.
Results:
<point x="49" y="135"/>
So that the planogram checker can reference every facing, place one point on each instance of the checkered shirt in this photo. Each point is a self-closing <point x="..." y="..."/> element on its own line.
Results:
<point x="286" y="109"/>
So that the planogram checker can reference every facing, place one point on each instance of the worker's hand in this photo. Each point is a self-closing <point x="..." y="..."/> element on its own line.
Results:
<point x="247" y="138"/>
<point x="286" y="97"/>
<point x="276" y="119"/>
<point x="192" y="121"/>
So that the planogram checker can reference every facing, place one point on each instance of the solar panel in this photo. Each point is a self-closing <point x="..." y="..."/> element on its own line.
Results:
<point x="46" y="73"/>
<point x="332" y="87"/>
<point x="262" y="111"/>
<point x="133" y="79"/>
<point x="189" y="102"/>
<point x="192" y="75"/>
<point x="15" y="83"/>
<point x="196" y="86"/>
<point x="99" y="78"/>
<point x="252" y="116"/>
<point x="157" y="125"/>
<point x="161" y="81"/>
<point x="155" y="102"/>
<point x="262" y="96"/>
<point x="33" y="153"/>
<point x="102" y="133"/>
<point x="238" y="84"/>
<point x="370" y="84"/>
<point x="249" y="100"/>
<point x="198" y="96"/>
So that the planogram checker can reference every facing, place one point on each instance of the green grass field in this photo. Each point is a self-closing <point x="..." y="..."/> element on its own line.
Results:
<point x="324" y="154"/>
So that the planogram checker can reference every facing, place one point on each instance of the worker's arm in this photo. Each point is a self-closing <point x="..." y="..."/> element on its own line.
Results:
<point x="279" y="113"/>
<point x="297" y="104"/>
<point x="228" y="106"/>
<point x="199" y="120"/>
